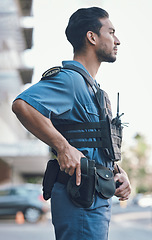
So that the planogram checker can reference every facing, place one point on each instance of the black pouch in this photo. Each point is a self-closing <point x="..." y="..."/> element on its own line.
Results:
<point x="50" y="177"/>
<point x="83" y="195"/>
<point x="105" y="184"/>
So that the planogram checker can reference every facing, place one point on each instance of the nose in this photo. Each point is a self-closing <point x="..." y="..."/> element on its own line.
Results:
<point x="116" y="41"/>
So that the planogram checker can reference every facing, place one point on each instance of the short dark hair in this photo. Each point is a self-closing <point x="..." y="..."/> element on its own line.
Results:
<point x="82" y="21"/>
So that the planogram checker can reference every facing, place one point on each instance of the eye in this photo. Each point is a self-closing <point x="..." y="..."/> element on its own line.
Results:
<point x="111" y="31"/>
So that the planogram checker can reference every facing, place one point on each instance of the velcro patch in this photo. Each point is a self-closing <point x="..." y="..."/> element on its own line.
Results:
<point x="51" y="72"/>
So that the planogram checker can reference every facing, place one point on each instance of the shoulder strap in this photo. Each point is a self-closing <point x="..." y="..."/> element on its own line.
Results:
<point x="84" y="74"/>
<point x="100" y="95"/>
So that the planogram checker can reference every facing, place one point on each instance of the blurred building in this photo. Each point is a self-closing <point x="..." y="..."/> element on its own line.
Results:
<point x="21" y="155"/>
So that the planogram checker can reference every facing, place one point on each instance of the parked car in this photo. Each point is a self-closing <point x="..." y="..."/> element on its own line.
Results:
<point x="25" y="198"/>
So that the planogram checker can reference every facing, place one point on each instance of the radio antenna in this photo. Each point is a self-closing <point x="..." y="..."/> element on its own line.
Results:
<point x="118" y="105"/>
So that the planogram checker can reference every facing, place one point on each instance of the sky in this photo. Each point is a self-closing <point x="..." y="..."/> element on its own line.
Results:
<point x="130" y="75"/>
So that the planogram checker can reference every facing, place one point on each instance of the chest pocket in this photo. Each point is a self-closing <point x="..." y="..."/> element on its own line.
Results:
<point x="91" y="109"/>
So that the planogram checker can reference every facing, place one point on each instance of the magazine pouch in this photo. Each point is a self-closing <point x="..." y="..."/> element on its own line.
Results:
<point x="105" y="184"/>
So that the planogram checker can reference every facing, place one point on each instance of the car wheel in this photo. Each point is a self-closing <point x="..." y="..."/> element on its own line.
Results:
<point x="32" y="215"/>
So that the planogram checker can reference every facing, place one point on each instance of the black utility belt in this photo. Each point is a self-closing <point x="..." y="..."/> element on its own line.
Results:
<point x="94" y="177"/>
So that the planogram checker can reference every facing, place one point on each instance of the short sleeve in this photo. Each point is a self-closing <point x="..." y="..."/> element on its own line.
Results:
<point x="51" y="97"/>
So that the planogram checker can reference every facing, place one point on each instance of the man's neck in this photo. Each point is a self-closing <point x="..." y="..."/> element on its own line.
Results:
<point x="89" y="62"/>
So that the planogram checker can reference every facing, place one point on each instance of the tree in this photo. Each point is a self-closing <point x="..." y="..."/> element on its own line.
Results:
<point x="135" y="163"/>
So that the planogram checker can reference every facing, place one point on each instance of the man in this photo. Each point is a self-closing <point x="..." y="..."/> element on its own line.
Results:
<point x="65" y="98"/>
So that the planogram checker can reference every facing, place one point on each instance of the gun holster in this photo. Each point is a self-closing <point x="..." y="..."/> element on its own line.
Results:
<point x="83" y="195"/>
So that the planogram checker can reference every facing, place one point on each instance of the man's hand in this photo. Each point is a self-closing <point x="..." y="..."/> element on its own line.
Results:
<point x="69" y="161"/>
<point x="124" y="190"/>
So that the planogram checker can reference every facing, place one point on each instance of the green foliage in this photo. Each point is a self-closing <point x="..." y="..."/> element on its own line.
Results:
<point x="141" y="146"/>
<point x="34" y="180"/>
<point x="142" y="189"/>
<point x="135" y="162"/>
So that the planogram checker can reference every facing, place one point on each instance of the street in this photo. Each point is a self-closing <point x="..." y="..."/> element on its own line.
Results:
<point x="131" y="223"/>
<point x="12" y="231"/>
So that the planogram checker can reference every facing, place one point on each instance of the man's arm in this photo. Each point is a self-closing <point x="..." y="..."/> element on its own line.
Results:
<point x="42" y="127"/>
<point x="124" y="190"/>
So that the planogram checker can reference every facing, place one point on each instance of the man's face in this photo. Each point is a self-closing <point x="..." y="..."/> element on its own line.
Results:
<point x="106" y="47"/>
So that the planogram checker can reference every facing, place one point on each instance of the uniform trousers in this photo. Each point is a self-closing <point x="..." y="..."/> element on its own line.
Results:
<point x="74" y="223"/>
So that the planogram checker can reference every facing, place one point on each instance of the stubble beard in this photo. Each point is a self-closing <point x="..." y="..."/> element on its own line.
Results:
<point x="102" y="56"/>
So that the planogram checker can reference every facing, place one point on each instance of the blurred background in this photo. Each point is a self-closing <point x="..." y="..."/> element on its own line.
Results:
<point x="32" y="39"/>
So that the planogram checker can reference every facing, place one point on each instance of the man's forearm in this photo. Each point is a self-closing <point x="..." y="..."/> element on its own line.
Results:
<point x="38" y="125"/>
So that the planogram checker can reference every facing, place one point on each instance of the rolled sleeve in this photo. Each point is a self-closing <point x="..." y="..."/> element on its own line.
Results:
<point x="34" y="103"/>
<point x="52" y="97"/>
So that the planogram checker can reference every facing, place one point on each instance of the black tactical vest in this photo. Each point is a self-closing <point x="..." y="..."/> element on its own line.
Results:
<point x="105" y="134"/>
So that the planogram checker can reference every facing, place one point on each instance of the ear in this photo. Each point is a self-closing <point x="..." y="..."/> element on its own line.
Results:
<point x="91" y="37"/>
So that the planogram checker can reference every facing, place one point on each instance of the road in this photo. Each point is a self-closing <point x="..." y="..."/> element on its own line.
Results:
<point x="131" y="223"/>
<point x="12" y="231"/>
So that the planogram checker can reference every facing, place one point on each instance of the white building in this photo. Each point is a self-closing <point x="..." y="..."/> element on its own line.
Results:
<point x="21" y="154"/>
